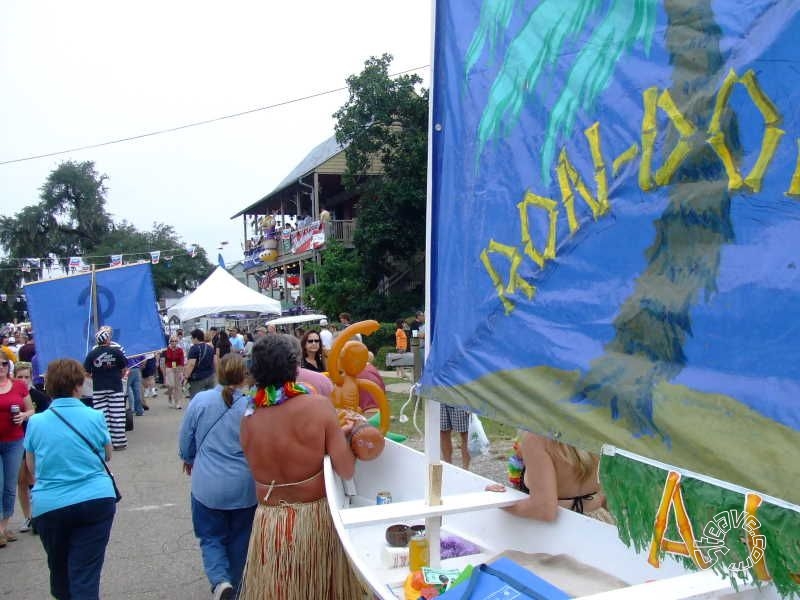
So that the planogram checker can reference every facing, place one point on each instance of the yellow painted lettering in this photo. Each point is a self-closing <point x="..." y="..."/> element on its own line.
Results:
<point x="672" y="497"/>
<point x="514" y="280"/>
<point x="624" y="158"/>
<point x="649" y="104"/>
<point x="569" y="179"/>
<point x="756" y="543"/>
<point x="794" y="186"/>
<point x="681" y="150"/>
<point x="531" y="200"/>
<point x="769" y="141"/>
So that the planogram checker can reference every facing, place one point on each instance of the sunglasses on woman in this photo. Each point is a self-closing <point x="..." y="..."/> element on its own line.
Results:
<point x="312" y="341"/>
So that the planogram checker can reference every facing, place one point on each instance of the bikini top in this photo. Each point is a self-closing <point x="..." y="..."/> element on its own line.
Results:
<point x="272" y="485"/>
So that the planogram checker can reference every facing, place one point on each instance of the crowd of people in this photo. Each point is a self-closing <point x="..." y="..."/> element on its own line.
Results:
<point x="252" y="439"/>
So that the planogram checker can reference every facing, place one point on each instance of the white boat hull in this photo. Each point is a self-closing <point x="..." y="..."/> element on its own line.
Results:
<point x="476" y="516"/>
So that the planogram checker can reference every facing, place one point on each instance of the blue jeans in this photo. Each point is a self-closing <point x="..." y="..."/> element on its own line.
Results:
<point x="224" y="536"/>
<point x="10" y="462"/>
<point x="75" y="539"/>
<point x="135" y="390"/>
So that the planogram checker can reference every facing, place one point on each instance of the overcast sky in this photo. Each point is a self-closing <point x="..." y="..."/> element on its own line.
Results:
<point x="85" y="72"/>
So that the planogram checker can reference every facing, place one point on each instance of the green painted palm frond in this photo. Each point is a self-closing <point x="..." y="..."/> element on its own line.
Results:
<point x="537" y="45"/>
<point x="495" y="17"/>
<point x="618" y="32"/>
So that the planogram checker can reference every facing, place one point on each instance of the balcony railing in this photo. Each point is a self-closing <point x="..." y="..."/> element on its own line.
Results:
<point x="271" y="246"/>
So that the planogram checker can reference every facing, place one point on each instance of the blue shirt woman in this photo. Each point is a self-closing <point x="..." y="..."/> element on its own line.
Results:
<point x="223" y="490"/>
<point x="73" y="498"/>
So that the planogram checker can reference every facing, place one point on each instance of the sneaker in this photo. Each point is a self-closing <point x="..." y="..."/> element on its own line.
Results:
<point x="26" y="526"/>
<point x="223" y="591"/>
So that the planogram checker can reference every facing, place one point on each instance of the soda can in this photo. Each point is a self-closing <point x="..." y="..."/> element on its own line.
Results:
<point x="14" y="410"/>
<point x="383" y="498"/>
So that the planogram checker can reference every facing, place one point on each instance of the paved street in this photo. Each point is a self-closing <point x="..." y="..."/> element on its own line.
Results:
<point x="153" y="553"/>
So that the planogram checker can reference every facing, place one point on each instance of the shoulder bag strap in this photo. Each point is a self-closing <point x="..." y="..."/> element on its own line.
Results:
<point x="83" y="437"/>
<point x="219" y="418"/>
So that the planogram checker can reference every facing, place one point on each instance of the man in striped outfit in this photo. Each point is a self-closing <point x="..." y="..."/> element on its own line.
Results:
<point x="106" y="365"/>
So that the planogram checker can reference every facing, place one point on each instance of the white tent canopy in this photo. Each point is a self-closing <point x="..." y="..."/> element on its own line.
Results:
<point x="295" y="319"/>
<point x="221" y="292"/>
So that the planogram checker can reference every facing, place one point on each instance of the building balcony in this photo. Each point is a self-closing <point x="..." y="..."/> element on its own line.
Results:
<point x="277" y="247"/>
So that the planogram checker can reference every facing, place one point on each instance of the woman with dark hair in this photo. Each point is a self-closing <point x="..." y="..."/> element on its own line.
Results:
<point x="313" y="359"/>
<point x="248" y="348"/>
<point x="223" y="495"/>
<point x="199" y="369"/>
<point x="294" y="551"/>
<point x="222" y="345"/>
<point x="73" y="496"/>
<point x="12" y="393"/>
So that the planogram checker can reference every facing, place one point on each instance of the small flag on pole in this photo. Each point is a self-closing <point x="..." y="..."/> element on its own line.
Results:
<point x="116" y="260"/>
<point x="155" y="256"/>
<point x="221" y="260"/>
<point x="74" y="262"/>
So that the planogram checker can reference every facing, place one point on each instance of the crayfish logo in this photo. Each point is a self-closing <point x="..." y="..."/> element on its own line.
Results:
<point x="711" y="547"/>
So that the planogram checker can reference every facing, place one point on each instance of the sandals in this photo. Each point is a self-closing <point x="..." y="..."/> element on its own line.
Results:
<point x="10" y="537"/>
<point x="3" y="541"/>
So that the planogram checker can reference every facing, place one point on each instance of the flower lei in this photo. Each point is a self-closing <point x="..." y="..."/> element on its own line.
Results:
<point x="272" y="396"/>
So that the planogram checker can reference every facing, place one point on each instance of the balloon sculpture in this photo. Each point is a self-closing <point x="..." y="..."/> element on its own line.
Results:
<point x="346" y="360"/>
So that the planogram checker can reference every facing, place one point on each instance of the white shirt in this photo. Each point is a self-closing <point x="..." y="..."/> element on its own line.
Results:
<point x="327" y="338"/>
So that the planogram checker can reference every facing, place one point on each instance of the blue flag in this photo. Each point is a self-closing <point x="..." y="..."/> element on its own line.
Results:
<point x="615" y="226"/>
<point x="61" y="312"/>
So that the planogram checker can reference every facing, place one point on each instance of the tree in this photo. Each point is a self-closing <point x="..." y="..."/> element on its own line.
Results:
<point x="69" y="220"/>
<point x="339" y="278"/>
<point x="176" y="270"/>
<point x="386" y="118"/>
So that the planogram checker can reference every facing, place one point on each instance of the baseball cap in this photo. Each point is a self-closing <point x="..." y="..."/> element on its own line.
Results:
<point x="323" y="321"/>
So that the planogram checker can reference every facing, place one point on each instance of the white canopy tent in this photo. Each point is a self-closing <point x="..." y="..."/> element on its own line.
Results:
<point x="295" y="319"/>
<point x="220" y="293"/>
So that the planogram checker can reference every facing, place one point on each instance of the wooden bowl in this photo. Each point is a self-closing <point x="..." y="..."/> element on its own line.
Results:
<point x="397" y="536"/>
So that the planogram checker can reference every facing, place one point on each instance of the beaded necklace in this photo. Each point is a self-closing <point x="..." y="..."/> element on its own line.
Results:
<point x="272" y="396"/>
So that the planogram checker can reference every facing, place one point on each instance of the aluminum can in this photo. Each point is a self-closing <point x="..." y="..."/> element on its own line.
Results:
<point x="383" y="498"/>
<point x="14" y="409"/>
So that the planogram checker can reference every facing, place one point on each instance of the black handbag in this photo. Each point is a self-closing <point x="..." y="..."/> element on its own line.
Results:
<point x="88" y="443"/>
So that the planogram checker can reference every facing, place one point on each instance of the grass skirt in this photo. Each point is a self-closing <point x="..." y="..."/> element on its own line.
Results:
<point x="295" y="554"/>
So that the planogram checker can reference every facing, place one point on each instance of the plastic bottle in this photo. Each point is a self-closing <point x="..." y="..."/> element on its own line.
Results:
<point x="418" y="551"/>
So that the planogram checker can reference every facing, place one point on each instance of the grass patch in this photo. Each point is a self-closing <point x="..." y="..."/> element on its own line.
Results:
<point x="494" y="431"/>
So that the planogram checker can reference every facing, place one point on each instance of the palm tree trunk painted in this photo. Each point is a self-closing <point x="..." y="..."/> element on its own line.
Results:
<point x="654" y="322"/>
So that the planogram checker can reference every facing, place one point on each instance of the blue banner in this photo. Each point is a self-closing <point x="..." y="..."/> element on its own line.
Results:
<point x="61" y="312"/>
<point x="616" y="227"/>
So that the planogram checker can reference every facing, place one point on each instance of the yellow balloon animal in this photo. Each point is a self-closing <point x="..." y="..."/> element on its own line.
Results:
<point x="346" y="360"/>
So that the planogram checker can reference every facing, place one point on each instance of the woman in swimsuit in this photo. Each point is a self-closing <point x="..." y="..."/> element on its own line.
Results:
<point x="294" y="551"/>
<point x="558" y="475"/>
